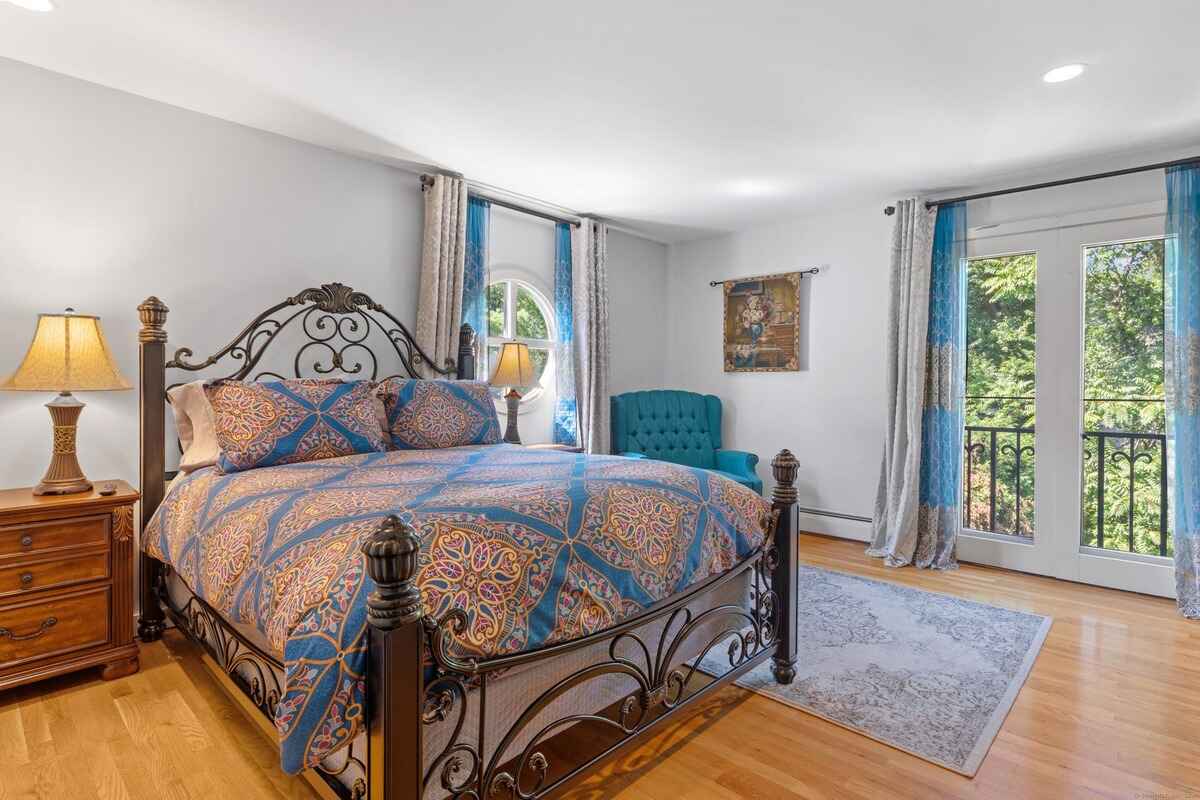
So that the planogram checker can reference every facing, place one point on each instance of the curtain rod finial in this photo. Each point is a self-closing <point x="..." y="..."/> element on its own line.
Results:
<point x="889" y="210"/>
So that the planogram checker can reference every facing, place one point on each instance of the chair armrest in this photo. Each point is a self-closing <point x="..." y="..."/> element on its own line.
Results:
<point x="737" y="462"/>
<point x="632" y="454"/>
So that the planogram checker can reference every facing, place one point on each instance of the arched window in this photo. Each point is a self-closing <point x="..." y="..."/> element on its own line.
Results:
<point x="518" y="312"/>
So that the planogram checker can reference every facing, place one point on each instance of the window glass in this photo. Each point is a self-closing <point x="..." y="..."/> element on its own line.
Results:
<point x="540" y="358"/>
<point x="999" y="457"/>
<point x="496" y="301"/>
<point x="518" y="312"/>
<point x="531" y="324"/>
<point x="1125" y="490"/>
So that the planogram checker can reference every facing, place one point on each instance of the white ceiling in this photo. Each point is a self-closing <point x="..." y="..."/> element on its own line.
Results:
<point x="681" y="118"/>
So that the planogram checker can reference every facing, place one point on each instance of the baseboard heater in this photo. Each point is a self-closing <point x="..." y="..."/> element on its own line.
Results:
<point x="820" y="512"/>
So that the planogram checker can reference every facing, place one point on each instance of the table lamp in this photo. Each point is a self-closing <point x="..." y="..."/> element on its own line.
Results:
<point x="514" y="369"/>
<point x="68" y="353"/>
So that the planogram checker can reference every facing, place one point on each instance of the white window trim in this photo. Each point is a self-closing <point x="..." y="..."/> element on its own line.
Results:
<point x="513" y="280"/>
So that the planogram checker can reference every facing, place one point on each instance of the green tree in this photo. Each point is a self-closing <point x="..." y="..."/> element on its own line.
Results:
<point x="1123" y="379"/>
<point x="1001" y="340"/>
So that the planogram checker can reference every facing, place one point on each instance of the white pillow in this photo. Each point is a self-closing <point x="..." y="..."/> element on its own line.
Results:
<point x="194" y="423"/>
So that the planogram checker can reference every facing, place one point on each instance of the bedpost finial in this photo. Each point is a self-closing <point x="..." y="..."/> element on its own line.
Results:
<point x="784" y="467"/>
<point x="466" y="352"/>
<point x="392" y="553"/>
<point x="153" y="314"/>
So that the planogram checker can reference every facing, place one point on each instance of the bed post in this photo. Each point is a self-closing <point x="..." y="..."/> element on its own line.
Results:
<point x="397" y="673"/>
<point x="784" y="467"/>
<point x="466" y="353"/>
<point x="152" y="411"/>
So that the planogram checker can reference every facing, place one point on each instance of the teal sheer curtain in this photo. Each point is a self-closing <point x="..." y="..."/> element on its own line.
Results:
<point x="1182" y="289"/>
<point x="939" y="517"/>
<point x="475" y="276"/>
<point x="566" y="421"/>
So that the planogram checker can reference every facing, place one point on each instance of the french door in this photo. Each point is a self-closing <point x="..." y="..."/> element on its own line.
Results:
<point x="1065" y="455"/>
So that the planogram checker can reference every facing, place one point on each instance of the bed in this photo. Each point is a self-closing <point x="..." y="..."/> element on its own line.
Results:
<point x="475" y="602"/>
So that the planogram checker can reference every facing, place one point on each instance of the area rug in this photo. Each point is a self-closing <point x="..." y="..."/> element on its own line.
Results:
<point x="927" y="673"/>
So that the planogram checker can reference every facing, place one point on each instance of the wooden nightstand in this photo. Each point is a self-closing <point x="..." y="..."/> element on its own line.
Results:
<point x="66" y="583"/>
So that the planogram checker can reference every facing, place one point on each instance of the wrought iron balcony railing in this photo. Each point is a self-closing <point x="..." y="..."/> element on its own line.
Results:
<point x="1124" y="502"/>
<point x="998" y="466"/>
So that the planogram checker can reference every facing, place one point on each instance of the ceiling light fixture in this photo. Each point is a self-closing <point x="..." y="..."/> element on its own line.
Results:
<point x="1064" y="73"/>
<point x="34" y="5"/>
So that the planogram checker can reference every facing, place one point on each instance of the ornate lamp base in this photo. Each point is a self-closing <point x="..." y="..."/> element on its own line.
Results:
<point x="514" y="401"/>
<point x="64" y="475"/>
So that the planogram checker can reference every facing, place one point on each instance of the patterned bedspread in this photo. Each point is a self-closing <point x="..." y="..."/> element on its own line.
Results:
<point x="536" y="546"/>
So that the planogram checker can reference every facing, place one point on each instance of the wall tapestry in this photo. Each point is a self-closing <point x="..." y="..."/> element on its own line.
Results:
<point x="762" y="323"/>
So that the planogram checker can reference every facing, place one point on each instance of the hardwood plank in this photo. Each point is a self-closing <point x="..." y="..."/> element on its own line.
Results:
<point x="105" y="776"/>
<point x="1109" y="711"/>
<point x="13" y="749"/>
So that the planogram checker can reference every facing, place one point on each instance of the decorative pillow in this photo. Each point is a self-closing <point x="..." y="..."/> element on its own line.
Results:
<point x="194" y="424"/>
<point x="284" y="422"/>
<point x="425" y="415"/>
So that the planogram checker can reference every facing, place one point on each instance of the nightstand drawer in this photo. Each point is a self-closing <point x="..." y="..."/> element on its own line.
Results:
<point x="53" y="626"/>
<point x="37" y="537"/>
<point x="29" y="576"/>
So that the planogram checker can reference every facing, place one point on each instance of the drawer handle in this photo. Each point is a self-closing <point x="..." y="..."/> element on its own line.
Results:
<point x="47" y="624"/>
<point x="26" y="578"/>
<point x="27" y="540"/>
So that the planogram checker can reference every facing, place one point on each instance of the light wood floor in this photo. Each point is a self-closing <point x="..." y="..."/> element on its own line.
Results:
<point x="1111" y="709"/>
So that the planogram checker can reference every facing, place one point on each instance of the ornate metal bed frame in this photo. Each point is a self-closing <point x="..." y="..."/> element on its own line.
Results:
<point x="336" y="323"/>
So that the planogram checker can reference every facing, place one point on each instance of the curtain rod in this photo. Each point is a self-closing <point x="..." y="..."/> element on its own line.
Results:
<point x="803" y="272"/>
<point x="427" y="181"/>
<point x="889" y="210"/>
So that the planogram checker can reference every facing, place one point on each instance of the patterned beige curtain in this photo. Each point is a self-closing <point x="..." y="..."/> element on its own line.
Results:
<point x="897" y="502"/>
<point x="443" y="256"/>
<point x="589" y="286"/>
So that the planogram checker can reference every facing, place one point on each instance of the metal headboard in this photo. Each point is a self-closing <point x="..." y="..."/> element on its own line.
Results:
<point x="334" y="323"/>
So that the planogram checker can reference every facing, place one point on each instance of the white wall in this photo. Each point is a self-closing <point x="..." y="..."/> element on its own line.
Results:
<point x="830" y="413"/>
<point x="637" y="298"/>
<point x="107" y="197"/>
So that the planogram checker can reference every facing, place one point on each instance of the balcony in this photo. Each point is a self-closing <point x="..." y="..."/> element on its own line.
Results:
<point x="1124" y="473"/>
<point x="998" y="479"/>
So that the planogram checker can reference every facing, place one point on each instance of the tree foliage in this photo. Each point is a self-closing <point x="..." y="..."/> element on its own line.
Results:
<point x="1122" y="389"/>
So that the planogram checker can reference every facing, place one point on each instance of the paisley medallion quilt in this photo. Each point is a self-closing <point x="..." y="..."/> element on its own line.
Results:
<point x="535" y="546"/>
<point x="284" y="422"/>
<point x="425" y="414"/>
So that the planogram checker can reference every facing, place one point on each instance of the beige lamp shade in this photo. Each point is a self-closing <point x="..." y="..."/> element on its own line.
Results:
<point x="514" y="367"/>
<point x="68" y="354"/>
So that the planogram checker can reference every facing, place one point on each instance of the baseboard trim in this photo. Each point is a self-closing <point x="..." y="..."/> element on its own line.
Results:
<point x="821" y="512"/>
<point x="834" y="523"/>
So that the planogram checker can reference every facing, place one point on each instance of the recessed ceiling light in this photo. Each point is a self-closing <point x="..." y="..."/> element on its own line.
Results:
<point x="1064" y="73"/>
<point x="34" y="5"/>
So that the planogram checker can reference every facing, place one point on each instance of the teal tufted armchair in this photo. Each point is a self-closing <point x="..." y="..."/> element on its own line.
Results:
<point x="681" y="427"/>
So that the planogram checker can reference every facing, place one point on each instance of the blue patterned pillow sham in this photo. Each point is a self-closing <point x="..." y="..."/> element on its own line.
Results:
<point x="426" y="415"/>
<point x="286" y="422"/>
